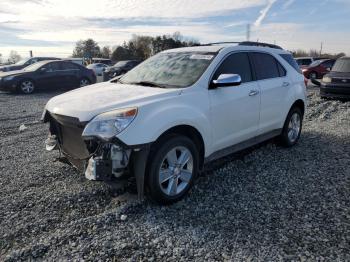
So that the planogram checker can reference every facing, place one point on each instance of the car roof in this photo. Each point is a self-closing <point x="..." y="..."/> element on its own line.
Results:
<point x="214" y="48"/>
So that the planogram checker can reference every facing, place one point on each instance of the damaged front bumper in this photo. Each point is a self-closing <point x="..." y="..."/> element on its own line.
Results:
<point x="97" y="159"/>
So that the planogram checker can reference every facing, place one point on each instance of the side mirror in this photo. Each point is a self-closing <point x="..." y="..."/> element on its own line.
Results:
<point x="315" y="82"/>
<point x="226" y="80"/>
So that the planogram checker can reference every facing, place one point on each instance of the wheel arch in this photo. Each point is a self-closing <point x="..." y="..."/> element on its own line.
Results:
<point x="300" y="104"/>
<point x="190" y="132"/>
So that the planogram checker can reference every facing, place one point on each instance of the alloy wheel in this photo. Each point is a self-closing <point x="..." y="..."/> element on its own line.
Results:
<point x="294" y="127"/>
<point x="27" y="87"/>
<point x="84" y="82"/>
<point x="176" y="171"/>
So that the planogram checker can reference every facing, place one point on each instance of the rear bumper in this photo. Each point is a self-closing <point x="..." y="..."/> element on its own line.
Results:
<point x="335" y="91"/>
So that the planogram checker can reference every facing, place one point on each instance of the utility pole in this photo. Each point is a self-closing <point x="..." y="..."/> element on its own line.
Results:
<point x="248" y="32"/>
<point x="321" y="48"/>
<point x="30" y="53"/>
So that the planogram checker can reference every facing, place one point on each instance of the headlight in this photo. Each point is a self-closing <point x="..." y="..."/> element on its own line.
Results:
<point x="109" y="124"/>
<point x="326" y="79"/>
<point x="304" y="70"/>
<point x="8" y="78"/>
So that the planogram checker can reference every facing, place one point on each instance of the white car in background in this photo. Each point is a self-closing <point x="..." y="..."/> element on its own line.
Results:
<point x="177" y="110"/>
<point x="98" y="68"/>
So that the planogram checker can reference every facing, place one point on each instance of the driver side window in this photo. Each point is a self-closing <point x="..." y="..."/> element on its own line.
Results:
<point x="52" y="67"/>
<point x="237" y="63"/>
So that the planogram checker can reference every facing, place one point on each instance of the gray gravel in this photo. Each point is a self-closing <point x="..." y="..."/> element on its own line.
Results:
<point x="267" y="203"/>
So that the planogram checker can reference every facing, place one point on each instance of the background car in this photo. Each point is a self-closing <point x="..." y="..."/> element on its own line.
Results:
<point x="119" y="68"/>
<point x="98" y="68"/>
<point x="25" y="62"/>
<point x="318" y="68"/>
<point x="78" y="61"/>
<point x="304" y="61"/>
<point x="336" y="84"/>
<point x="105" y="61"/>
<point x="47" y="75"/>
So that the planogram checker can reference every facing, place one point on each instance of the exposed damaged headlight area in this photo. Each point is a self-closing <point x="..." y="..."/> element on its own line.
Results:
<point x="107" y="125"/>
<point x="110" y="160"/>
<point x="97" y="158"/>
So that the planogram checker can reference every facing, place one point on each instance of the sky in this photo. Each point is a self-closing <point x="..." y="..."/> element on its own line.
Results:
<point x="52" y="27"/>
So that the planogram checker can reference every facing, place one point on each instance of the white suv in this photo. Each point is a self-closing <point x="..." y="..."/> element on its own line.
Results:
<point x="176" y="111"/>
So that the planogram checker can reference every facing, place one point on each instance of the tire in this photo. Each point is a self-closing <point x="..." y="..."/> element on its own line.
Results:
<point x="26" y="87"/>
<point x="292" y="127"/>
<point x="165" y="164"/>
<point x="84" y="82"/>
<point x="313" y="75"/>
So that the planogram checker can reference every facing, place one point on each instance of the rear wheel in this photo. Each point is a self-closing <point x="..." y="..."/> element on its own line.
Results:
<point x="26" y="87"/>
<point x="84" y="82"/>
<point x="172" y="169"/>
<point x="292" y="127"/>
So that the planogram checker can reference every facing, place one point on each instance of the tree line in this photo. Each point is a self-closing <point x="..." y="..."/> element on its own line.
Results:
<point x="139" y="47"/>
<point x="315" y="53"/>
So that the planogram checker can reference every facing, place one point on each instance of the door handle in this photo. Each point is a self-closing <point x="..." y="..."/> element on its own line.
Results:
<point x="285" y="84"/>
<point x="253" y="92"/>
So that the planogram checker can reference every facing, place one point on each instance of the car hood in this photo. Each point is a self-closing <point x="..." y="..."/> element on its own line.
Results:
<point x="13" y="73"/>
<point x="114" y="68"/>
<point x="87" y="102"/>
<point x="339" y="74"/>
<point x="10" y="68"/>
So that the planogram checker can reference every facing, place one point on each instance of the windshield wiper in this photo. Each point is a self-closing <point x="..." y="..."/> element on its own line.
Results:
<point x="148" y="83"/>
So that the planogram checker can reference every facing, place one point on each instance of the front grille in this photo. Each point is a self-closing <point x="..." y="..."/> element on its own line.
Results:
<point x="69" y="131"/>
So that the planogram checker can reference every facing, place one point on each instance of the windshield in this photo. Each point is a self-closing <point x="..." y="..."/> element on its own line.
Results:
<point x="342" y="65"/>
<point x="304" y="61"/>
<point x="170" y="69"/>
<point x="35" y="66"/>
<point x="316" y="63"/>
<point x="121" y="63"/>
<point x="21" y="62"/>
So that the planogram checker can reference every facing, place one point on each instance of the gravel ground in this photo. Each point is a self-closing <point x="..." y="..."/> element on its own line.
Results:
<point x="267" y="203"/>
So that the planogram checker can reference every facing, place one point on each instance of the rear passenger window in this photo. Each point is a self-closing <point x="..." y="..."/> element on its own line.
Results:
<point x="69" y="66"/>
<point x="266" y="66"/>
<point x="290" y="60"/>
<point x="236" y="64"/>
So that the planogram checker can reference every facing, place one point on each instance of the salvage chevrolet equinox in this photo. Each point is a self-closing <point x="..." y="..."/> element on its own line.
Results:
<point x="164" y="119"/>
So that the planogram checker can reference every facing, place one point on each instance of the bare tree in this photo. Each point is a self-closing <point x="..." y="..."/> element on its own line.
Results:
<point x="14" y="57"/>
<point x="106" y="52"/>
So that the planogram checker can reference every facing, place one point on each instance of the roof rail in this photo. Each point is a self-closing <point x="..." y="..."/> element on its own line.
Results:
<point x="218" y="43"/>
<point x="247" y="43"/>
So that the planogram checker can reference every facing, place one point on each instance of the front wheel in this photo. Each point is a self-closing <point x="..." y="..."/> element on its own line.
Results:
<point x="26" y="87"/>
<point x="172" y="169"/>
<point x="84" y="82"/>
<point x="292" y="127"/>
